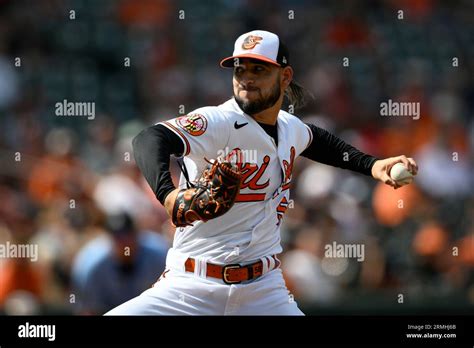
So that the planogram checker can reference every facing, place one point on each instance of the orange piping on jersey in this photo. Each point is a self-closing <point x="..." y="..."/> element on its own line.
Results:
<point x="250" y="197"/>
<point x="188" y="147"/>
<point x="286" y="186"/>
<point x="283" y="205"/>
<point x="281" y="209"/>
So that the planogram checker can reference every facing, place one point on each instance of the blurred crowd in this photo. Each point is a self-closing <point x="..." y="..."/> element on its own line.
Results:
<point x="70" y="185"/>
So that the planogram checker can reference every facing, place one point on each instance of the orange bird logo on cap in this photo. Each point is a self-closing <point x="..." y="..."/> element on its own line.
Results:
<point x="251" y="41"/>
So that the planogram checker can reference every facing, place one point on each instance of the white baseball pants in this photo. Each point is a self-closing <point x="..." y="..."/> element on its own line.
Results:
<point x="182" y="293"/>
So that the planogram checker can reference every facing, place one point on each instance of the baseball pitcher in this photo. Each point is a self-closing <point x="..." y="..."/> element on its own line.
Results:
<point x="237" y="163"/>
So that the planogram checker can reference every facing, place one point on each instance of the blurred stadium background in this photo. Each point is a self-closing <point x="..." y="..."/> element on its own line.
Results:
<point x="75" y="174"/>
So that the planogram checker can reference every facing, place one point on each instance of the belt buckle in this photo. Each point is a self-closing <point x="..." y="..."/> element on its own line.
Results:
<point x="225" y="275"/>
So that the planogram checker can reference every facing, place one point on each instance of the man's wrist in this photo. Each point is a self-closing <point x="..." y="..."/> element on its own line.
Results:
<point x="374" y="161"/>
<point x="164" y="192"/>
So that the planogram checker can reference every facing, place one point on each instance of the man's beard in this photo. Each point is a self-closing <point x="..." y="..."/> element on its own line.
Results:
<point x="262" y="103"/>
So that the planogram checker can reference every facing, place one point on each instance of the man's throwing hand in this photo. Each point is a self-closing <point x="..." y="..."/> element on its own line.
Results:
<point x="381" y="169"/>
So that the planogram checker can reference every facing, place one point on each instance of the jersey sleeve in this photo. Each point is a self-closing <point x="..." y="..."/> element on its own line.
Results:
<point x="304" y="137"/>
<point x="204" y="132"/>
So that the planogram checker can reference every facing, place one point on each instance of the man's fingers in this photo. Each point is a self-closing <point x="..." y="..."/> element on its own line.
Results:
<point x="409" y="163"/>
<point x="414" y="166"/>
<point x="384" y="171"/>
<point x="389" y="181"/>
<point x="405" y="162"/>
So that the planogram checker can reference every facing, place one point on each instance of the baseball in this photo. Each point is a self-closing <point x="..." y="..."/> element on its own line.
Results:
<point x="400" y="174"/>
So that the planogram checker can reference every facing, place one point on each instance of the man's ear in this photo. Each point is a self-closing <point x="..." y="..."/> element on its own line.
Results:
<point x="287" y="76"/>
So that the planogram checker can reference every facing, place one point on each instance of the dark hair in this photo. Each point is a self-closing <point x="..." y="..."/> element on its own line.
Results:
<point x="297" y="95"/>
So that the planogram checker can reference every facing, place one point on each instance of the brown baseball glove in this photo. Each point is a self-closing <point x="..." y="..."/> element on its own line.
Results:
<point x="211" y="196"/>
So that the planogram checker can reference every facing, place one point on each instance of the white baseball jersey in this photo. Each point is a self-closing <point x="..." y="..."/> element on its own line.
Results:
<point x="250" y="230"/>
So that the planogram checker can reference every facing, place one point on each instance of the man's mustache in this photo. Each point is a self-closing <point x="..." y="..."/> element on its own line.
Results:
<point x="249" y="88"/>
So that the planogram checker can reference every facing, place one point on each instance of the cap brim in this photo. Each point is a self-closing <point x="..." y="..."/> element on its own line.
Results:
<point x="229" y="61"/>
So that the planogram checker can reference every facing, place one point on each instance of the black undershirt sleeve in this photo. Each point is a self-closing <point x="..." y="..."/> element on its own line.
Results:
<point x="328" y="149"/>
<point x="152" y="149"/>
